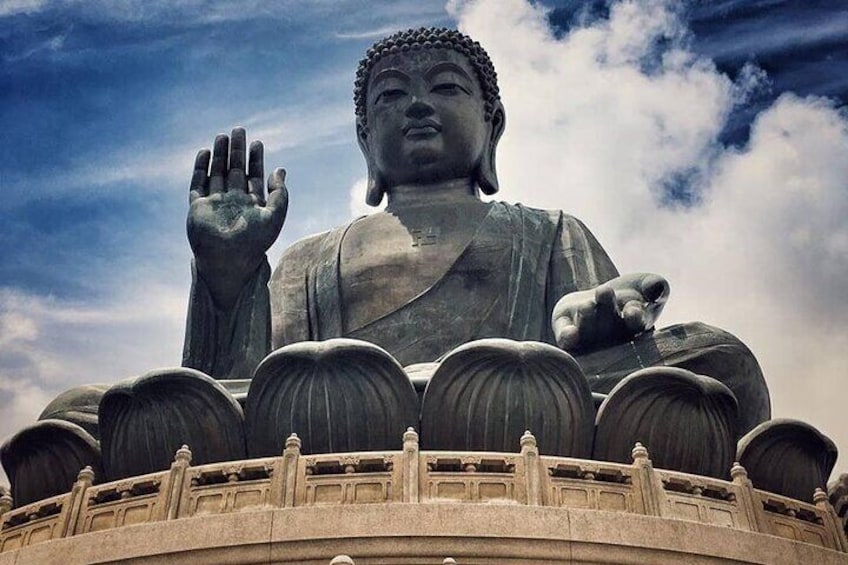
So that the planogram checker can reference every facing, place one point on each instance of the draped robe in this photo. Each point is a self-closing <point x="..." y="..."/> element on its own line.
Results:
<point x="503" y="283"/>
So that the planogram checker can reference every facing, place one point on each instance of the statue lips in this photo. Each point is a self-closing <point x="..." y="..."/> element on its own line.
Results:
<point x="421" y="129"/>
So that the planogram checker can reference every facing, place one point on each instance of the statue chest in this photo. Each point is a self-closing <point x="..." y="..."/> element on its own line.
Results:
<point x="387" y="260"/>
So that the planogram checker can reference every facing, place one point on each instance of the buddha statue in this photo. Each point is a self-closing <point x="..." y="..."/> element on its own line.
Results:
<point x="471" y="320"/>
<point x="438" y="267"/>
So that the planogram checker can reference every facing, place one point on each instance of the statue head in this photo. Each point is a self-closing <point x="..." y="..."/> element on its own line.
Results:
<point x="428" y="109"/>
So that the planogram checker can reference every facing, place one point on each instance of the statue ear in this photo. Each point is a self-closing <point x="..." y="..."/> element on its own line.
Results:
<point x="376" y="189"/>
<point x="487" y="176"/>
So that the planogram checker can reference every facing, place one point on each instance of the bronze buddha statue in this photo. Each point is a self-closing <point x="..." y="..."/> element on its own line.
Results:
<point x="505" y="317"/>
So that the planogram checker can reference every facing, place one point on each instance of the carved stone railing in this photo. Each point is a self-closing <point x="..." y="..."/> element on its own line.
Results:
<point x="411" y="476"/>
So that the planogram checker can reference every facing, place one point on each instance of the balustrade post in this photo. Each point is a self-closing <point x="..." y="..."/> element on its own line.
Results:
<point x="532" y="479"/>
<point x="750" y="502"/>
<point x="72" y="511"/>
<point x="6" y="503"/>
<point x="647" y="484"/>
<point x="410" y="475"/>
<point x="175" y="490"/>
<point x="831" y="520"/>
<point x="284" y="480"/>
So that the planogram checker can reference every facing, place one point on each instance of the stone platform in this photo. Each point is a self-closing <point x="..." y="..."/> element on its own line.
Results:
<point x="418" y="507"/>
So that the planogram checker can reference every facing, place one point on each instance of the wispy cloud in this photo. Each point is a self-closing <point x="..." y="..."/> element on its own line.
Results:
<point x="382" y="31"/>
<point x="375" y="33"/>
<point x="307" y="126"/>
<point x="762" y="36"/>
<point x="48" y="46"/>
<point x="13" y="7"/>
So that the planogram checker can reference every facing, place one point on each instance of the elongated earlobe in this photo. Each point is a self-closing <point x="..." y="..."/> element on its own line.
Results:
<point x="487" y="176"/>
<point x="376" y="189"/>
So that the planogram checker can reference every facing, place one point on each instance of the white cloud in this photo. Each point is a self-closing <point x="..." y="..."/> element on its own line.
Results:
<point x="48" y="345"/>
<point x="601" y="118"/>
<point x="13" y="7"/>
<point x="356" y="199"/>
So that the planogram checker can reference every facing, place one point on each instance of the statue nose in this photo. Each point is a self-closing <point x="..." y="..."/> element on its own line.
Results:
<point x="419" y="109"/>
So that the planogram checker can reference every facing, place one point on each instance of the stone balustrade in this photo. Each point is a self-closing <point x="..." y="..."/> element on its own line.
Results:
<point x="411" y="476"/>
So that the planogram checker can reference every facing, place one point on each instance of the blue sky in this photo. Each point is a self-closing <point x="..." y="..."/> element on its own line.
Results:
<point x="706" y="115"/>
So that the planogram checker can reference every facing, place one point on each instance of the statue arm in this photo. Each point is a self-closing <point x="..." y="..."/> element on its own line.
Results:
<point x="597" y="307"/>
<point x="230" y="226"/>
<point x="228" y="343"/>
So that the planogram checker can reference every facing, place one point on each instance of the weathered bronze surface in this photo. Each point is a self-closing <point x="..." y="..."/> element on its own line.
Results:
<point x="43" y="460"/>
<point x="488" y="392"/>
<point x="144" y="420"/>
<point x="687" y="421"/>
<point x="787" y="456"/>
<point x="336" y="395"/>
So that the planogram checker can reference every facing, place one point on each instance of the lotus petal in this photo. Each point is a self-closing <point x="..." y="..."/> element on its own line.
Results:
<point x="337" y="395"/>
<point x="686" y="421"/>
<point x="787" y="457"/>
<point x="487" y="393"/>
<point x="43" y="460"/>
<point x="837" y="493"/>
<point x="144" y="420"/>
<point x="79" y="406"/>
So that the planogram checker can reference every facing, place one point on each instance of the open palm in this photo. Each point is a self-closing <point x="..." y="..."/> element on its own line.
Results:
<point x="231" y="223"/>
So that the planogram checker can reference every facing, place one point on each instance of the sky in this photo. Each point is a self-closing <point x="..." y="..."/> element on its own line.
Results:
<point x="705" y="141"/>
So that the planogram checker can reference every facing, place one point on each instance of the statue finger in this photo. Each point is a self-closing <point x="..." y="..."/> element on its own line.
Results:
<point x="634" y="317"/>
<point x="220" y="154"/>
<point x="256" y="171"/>
<point x="276" y="180"/>
<point x="567" y="335"/>
<point x="236" y="177"/>
<point x="607" y="305"/>
<point x="278" y="194"/>
<point x="238" y="149"/>
<point x="587" y="321"/>
<point x="654" y="288"/>
<point x="200" y="177"/>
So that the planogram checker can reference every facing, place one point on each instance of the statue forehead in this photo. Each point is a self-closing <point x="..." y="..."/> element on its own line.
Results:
<point x="419" y="61"/>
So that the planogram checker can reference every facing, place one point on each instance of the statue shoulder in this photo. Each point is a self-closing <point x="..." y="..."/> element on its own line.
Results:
<point x="303" y="248"/>
<point x="303" y="254"/>
<point x="553" y="216"/>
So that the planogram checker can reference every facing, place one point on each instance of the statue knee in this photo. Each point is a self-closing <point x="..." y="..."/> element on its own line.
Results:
<point x="697" y="347"/>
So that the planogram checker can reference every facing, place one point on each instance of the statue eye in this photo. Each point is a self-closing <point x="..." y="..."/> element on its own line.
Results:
<point x="390" y="95"/>
<point x="449" y="89"/>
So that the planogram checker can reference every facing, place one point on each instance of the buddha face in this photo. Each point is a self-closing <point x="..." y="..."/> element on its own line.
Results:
<point x="426" y="118"/>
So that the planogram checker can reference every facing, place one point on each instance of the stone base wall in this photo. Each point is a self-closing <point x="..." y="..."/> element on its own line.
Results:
<point x="424" y="534"/>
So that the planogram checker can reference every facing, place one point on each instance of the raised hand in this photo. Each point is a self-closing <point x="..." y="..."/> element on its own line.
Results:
<point x="230" y="223"/>
<point x="611" y="313"/>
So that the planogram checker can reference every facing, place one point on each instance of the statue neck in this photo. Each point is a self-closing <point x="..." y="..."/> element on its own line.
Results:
<point x="455" y="191"/>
